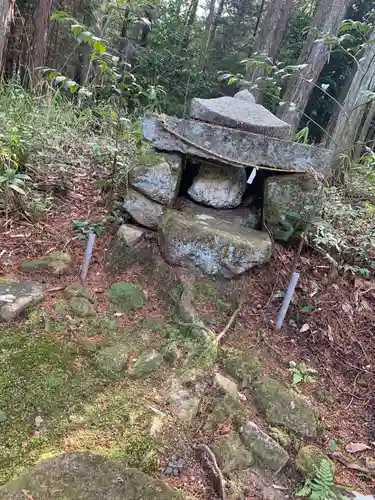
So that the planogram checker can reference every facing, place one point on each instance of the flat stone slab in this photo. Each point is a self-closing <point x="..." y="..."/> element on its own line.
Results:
<point x="232" y="147"/>
<point x="241" y="114"/>
<point x="214" y="246"/>
<point x="17" y="296"/>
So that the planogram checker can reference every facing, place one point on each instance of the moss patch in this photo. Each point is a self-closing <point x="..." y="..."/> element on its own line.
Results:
<point x="241" y="366"/>
<point x="56" y="262"/>
<point x="126" y="296"/>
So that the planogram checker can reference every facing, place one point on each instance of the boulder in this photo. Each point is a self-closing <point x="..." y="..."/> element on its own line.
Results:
<point x="309" y="459"/>
<point x="143" y="210"/>
<point x="82" y="307"/>
<point x="125" y="249"/>
<point x="113" y="359"/>
<point x="18" y="296"/>
<point x="283" y="407"/>
<point x="214" y="246"/>
<point x="86" y="476"/>
<point x="245" y="95"/>
<point x="147" y="362"/>
<point x="240" y="114"/>
<point x="231" y="454"/>
<point x="231" y="146"/>
<point x="267" y="453"/>
<point x="159" y="181"/>
<point x="126" y="296"/>
<point x="219" y="187"/>
<point x="56" y="262"/>
<point x="288" y="203"/>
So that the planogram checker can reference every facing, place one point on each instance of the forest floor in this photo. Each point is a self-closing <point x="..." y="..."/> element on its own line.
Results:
<point x="55" y="398"/>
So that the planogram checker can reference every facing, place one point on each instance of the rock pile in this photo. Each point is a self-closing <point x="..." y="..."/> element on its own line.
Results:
<point x="234" y="139"/>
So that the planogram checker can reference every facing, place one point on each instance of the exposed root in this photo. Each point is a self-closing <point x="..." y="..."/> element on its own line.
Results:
<point x="208" y="459"/>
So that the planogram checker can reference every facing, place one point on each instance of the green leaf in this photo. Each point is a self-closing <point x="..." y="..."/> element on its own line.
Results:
<point x="17" y="188"/>
<point x="60" y="79"/>
<point x="297" y="378"/>
<point x="99" y="47"/>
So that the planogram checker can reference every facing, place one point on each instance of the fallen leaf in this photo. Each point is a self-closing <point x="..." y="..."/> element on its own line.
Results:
<point x="99" y="290"/>
<point x="356" y="447"/>
<point x="347" y="308"/>
<point x="370" y="463"/>
<point x="38" y="421"/>
<point x="278" y="487"/>
<point x="305" y="328"/>
<point x="241" y="396"/>
<point x="348" y="463"/>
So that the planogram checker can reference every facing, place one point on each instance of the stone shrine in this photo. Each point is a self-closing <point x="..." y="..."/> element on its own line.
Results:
<point x="218" y="184"/>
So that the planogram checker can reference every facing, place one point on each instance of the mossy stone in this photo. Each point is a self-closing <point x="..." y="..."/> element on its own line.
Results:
<point x="78" y="290"/>
<point x="126" y="296"/>
<point x="3" y="417"/>
<point x="82" y="307"/>
<point x="227" y="408"/>
<point x="309" y="459"/>
<point x="56" y="262"/>
<point x="241" y="366"/>
<point x="231" y="454"/>
<point x="86" y="476"/>
<point x="147" y="362"/>
<point x="113" y="359"/>
<point x="283" y="407"/>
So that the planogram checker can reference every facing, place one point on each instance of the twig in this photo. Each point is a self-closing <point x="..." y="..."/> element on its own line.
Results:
<point x="352" y="398"/>
<point x="230" y="322"/>
<point x="218" y="480"/>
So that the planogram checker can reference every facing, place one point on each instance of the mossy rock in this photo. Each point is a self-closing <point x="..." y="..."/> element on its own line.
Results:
<point x="120" y="256"/>
<point x="85" y="476"/>
<point x="283" y="407"/>
<point x="78" y="290"/>
<point x="241" y="366"/>
<point x="113" y="359"/>
<point x="82" y="307"/>
<point x="147" y="362"/>
<point x="138" y="451"/>
<point x="126" y="296"/>
<point x="231" y="454"/>
<point x="309" y="459"/>
<point x="227" y="408"/>
<point x="56" y="262"/>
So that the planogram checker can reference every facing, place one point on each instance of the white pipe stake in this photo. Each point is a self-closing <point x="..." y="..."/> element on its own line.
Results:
<point x="288" y="297"/>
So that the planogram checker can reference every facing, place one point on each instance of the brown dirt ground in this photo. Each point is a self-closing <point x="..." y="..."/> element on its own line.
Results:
<point x="339" y="344"/>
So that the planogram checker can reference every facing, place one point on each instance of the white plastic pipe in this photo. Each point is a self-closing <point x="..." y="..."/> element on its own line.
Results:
<point x="87" y="256"/>
<point x="288" y="297"/>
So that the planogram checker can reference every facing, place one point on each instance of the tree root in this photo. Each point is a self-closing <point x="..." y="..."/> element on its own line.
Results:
<point x="208" y="459"/>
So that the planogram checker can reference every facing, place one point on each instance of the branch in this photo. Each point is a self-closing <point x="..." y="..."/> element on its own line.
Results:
<point x="217" y="477"/>
<point x="231" y="320"/>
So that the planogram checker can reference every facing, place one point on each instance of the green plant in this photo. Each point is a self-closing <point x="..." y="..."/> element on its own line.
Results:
<point x="301" y="373"/>
<point x="85" y="227"/>
<point x="321" y="486"/>
<point x="12" y="185"/>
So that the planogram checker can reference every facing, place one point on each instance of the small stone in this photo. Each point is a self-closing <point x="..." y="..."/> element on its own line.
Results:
<point x="130" y="235"/>
<point x="226" y="385"/>
<point x="240" y="114"/>
<point x="283" y="407"/>
<point x="113" y="358"/>
<point x="78" y="290"/>
<point x="267" y="452"/>
<point x="126" y="296"/>
<point x="18" y="296"/>
<point x="174" y="467"/>
<point x="183" y="401"/>
<point x="82" y="307"/>
<point x="309" y="459"/>
<point x="57" y="262"/>
<point x="245" y="95"/>
<point x="219" y="187"/>
<point x="172" y="354"/>
<point x="147" y="362"/>
<point x="3" y="417"/>
<point x="241" y="366"/>
<point x="231" y="454"/>
<point x="159" y="181"/>
<point x="143" y="210"/>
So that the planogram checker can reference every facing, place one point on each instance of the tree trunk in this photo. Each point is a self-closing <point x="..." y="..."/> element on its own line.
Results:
<point x="259" y="17"/>
<point x="6" y="19"/>
<point x="216" y="22"/>
<point x="270" y="35"/>
<point x="192" y="12"/>
<point x="327" y="19"/>
<point x="208" y="27"/>
<point x="354" y="106"/>
<point x="41" y="18"/>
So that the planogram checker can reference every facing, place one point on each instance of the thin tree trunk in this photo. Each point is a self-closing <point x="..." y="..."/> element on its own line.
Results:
<point x="9" y="64"/>
<point x="328" y="16"/>
<point x="365" y="127"/>
<point x="354" y="105"/>
<point x="259" y="17"/>
<point x="270" y="34"/>
<point x="215" y="24"/>
<point x="42" y="15"/>
<point x="6" y="19"/>
<point x="208" y="27"/>
<point x="189" y="23"/>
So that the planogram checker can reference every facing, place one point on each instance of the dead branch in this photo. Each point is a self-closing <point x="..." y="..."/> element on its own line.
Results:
<point x="208" y="458"/>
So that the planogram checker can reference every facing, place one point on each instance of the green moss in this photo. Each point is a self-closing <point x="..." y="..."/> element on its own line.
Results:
<point x="309" y="459"/>
<point x="139" y="452"/>
<point x="56" y="262"/>
<point x="113" y="359"/>
<point x="205" y="291"/>
<point x="82" y="307"/>
<point x="120" y="257"/>
<point x="227" y="408"/>
<point x="241" y="366"/>
<point x="126" y="296"/>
